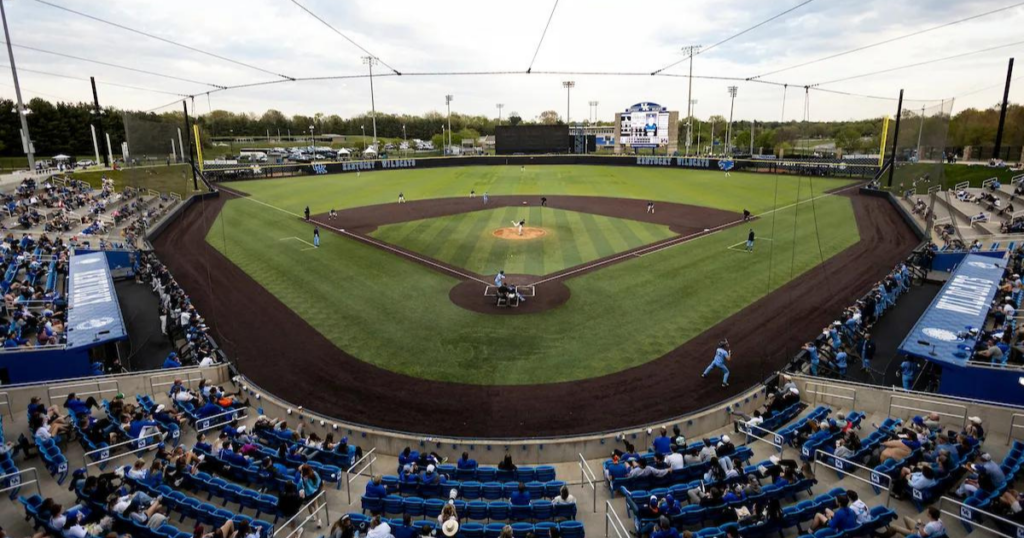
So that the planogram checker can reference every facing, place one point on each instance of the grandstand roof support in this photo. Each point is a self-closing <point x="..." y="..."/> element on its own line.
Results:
<point x="895" y="138"/>
<point x="1002" y="111"/>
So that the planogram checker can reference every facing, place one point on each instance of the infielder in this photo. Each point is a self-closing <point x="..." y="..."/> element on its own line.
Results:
<point x="650" y="207"/>
<point x="519" y="225"/>
<point x="750" y="241"/>
<point x="485" y="198"/>
<point x="722" y="355"/>
<point x="316" y="236"/>
<point x="401" y="198"/>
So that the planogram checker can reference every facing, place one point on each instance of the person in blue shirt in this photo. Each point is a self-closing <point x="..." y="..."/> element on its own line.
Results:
<point x="309" y="486"/>
<point x="375" y="489"/>
<point x="140" y="427"/>
<point x="722" y="355"/>
<point x="465" y="462"/>
<point x="907" y="372"/>
<point x="663" y="443"/>
<point x="812" y="353"/>
<point x="520" y="497"/>
<point x="209" y="409"/>
<point x="844" y="518"/>
<point x="616" y="469"/>
<point x="665" y="529"/>
<point x="78" y="407"/>
<point x="172" y="361"/>
<point x="841" y="363"/>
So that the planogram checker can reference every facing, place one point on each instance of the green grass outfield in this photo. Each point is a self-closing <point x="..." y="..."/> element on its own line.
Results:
<point x="571" y="238"/>
<point x="396" y="314"/>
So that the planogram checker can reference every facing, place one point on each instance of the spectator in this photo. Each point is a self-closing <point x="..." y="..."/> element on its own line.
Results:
<point x="662" y="443"/>
<point x="841" y="520"/>
<point x="375" y="489"/>
<point x="520" y="497"/>
<point x="466" y="463"/>
<point x="933" y="527"/>
<point x="563" y="497"/>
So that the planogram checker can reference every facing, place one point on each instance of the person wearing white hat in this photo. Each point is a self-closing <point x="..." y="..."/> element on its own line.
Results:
<point x="975" y="429"/>
<point x="450" y="527"/>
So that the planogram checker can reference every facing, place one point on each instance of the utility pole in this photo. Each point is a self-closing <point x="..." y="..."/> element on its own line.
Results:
<point x="372" y="61"/>
<point x="500" y="106"/>
<point x="691" y="51"/>
<point x="188" y="134"/>
<point x="728" y="131"/>
<point x="568" y="85"/>
<point x="96" y="119"/>
<point x="448" y="102"/>
<point x="1002" y="111"/>
<point x="753" y="124"/>
<point x="895" y="139"/>
<point x="920" y="131"/>
<point x="26" y="139"/>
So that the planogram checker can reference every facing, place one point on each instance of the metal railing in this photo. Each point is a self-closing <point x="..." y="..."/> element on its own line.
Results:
<point x="821" y="389"/>
<point x="107" y="454"/>
<point x="96" y="388"/>
<point x="192" y="375"/>
<point x="6" y="402"/>
<point x="611" y="518"/>
<point x="963" y="408"/>
<point x="14" y="481"/>
<point x="934" y="189"/>
<point x="969" y="516"/>
<point x="962" y="185"/>
<point x="989" y="181"/>
<point x="369" y="458"/>
<point x="208" y="423"/>
<point x="1013" y="424"/>
<point x="320" y="507"/>
<point x="776" y="439"/>
<point x="587" y="474"/>
<point x="878" y="481"/>
<point x="1016" y="179"/>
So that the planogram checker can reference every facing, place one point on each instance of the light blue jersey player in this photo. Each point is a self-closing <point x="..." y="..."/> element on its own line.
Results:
<point x="722" y="355"/>
<point x="499" y="278"/>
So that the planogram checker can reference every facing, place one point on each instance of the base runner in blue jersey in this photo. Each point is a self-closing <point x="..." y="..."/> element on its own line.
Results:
<point x="722" y="356"/>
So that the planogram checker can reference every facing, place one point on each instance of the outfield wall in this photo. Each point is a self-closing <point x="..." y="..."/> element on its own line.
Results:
<point x="823" y="168"/>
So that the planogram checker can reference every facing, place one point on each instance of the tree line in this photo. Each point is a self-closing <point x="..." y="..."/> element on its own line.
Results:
<point x="64" y="128"/>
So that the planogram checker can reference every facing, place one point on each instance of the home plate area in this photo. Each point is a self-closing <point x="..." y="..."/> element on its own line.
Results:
<point x="509" y="299"/>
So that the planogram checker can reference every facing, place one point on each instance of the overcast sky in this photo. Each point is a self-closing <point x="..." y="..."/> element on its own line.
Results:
<point x="585" y="35"/>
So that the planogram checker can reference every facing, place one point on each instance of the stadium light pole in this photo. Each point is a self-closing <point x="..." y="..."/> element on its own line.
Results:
<point x="405" y="139"/>
<point x="22" y="111"/>
<point x="568" y="85"/>
<point x="363" y="128"/>
<point x="448" y="102"/>
<point x="312" y="142"/>
<point x="690" y="50"/>
<point x="500" y="106"/>
<point x="372" y="61"/>
<point x="728" y="131"/>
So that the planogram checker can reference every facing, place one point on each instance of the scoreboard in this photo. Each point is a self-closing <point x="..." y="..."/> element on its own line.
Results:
<point x="509" y="140"/>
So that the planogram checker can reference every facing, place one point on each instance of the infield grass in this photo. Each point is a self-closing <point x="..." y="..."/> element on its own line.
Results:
<point x="571" y="238"/>
<point x="396" y="314"/>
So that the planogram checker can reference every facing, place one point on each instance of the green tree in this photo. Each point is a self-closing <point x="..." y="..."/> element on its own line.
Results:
<point x="514" y="119"/>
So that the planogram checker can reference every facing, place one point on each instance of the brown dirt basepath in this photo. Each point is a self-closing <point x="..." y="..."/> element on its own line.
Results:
<point x="298" y="364"/>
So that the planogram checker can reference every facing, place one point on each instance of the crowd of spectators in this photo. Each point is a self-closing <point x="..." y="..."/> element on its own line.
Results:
<point x="849" y="337"/>
<point x="179" y="320"/>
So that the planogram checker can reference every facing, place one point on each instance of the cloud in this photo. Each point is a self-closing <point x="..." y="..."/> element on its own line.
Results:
<point x="462" y="35"/>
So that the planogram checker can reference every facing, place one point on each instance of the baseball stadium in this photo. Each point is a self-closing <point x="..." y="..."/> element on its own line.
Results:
<point x="705" y="311"/>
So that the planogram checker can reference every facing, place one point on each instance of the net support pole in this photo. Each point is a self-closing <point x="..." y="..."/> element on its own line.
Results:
<point x="96" y="119"/>
<point x="26" y="138"/>
<point x="188" y="133"/>
<point x="1002" y="112"/>
<point x="881" y="146"/>
<point x="181" y="146"/>
<point x="895" y="138"/>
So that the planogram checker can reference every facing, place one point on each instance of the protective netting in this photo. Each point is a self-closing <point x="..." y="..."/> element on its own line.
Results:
<point x="921" y="147"/>
<point x="155" y="152"/>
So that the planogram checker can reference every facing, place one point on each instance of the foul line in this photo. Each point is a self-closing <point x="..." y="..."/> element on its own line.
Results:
<point x="686" y="238"/>
<point x="362" y="238"/>
<point x="297" y="239"/>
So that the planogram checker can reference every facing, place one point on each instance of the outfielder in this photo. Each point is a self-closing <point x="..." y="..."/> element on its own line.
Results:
<point x="722" y="355"/>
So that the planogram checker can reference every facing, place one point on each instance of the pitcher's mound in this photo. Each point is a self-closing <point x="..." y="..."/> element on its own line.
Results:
<point x="513" y="233"/>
